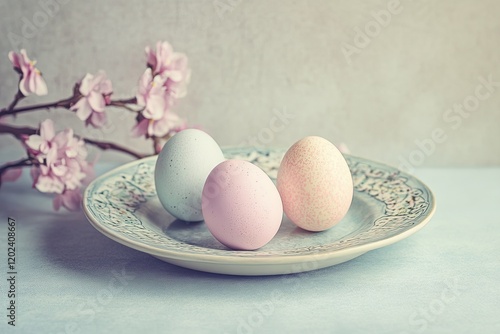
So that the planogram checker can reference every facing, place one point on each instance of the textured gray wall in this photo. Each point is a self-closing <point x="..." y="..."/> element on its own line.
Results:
<point x="261" y="56"/>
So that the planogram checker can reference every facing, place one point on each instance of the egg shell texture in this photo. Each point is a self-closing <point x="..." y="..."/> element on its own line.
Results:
<point x="315" y="184"/>
<point x="181" y="170"/>
<point x="241" y="205"/>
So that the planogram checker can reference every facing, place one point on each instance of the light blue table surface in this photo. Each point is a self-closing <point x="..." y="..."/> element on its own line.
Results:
<point x="443" y="279"/>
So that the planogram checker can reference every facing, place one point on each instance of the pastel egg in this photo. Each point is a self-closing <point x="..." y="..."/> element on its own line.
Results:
<point x="181" y="171"/>
<point x="315" y="184"/>
<point x="241" y="205"/>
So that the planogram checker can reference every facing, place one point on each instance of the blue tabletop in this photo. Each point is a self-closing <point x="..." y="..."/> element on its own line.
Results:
<point x="444" y="279"/>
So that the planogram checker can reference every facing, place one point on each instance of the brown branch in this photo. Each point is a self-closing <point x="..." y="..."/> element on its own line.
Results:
<point x="66" y="103"/>
<point x="132" y="100"/>
<point x="20" y="163"/>
<point x="19" y="131"/>
<point x="125" y="104"/>
<point x="103" y="145"/>
<point x="18" y="97"/>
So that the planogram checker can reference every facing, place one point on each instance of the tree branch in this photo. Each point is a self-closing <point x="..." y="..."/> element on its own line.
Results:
<point x="125" y="104"/>
<point x="132" y="100"/>
<point x="17" y="98"/>
<point x="66" y="103"/>
<point x="19" y="131"/>
<point x="103" y="145"/>
<point x="20" y="163"/>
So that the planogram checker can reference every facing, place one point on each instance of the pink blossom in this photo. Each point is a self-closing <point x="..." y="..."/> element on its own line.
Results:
<point x="152" y="96"/>
<point x="96" y="91"/>
<point x="39" y="145"/>
<point x="157" y="128"/>
<point x="156" y="119"/>
<point x="170" y="65"/>
<point x="63" y="168"/>
<point x="31" y="79"/>
<point x="161" y="84"/>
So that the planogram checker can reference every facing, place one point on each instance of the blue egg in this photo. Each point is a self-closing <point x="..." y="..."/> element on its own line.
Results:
<point x="181" y="170"/>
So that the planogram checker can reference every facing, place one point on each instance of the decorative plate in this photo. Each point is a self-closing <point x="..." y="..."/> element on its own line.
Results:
<point x="388" y="206"/>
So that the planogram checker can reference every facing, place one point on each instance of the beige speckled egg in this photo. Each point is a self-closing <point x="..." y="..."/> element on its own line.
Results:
<point x="315" y="184"/>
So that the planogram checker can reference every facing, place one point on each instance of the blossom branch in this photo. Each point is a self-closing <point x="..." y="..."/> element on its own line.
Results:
<point x="20" y="163"/>
<point x="58" y="159"/>
<point x="125" y="104"/>
<point x="17" y="98"/>
<point x="66" y="103"/>
<point x="18" y="132"/>
<point x="103" y="145"/>
<point x="132" y="100"/>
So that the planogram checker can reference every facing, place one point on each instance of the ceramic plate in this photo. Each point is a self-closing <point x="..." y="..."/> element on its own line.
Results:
<point x="388" y="206"/>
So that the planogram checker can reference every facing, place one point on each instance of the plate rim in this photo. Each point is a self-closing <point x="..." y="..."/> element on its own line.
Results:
<point x="251" y="260"/>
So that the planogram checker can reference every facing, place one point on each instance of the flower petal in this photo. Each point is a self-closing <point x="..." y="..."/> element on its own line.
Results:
<point x="24" y="60"/>
<point x="155" y="108"/>
<point x="34" y="142"/>
<point x="174" y="75"/>
<point x="97" y="119"/>
<point x="49" y="184"/>
<point x="62" y="141"/>
<point x="161" y="127"/>
<point x="106" y="88"/>
<point x="71" y="199"/>
<point x="40" y="85"/>
<point x="24" y="86"/>
<point x="14" y="59"/>
<point x="52" y="155"/>
<point x="96" y="101"/>
<point x="140" y="128"/>
<point x="84" y="110"/>
<point x="11" y="175"/>
<point x="96" y="80"/>
<point x="59" y="170"/>
<point x="86" y="84"/>
<point x="47" y="129"/>
<point x="150" y="57"/>
<point x="144" y="86"/>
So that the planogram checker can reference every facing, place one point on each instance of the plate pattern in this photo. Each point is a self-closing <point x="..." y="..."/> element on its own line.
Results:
<point x="115" y="200"/>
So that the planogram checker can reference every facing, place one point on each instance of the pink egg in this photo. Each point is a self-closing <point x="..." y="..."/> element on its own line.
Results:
<point x="241" y="206"/>
<point x="315" y="184"/>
